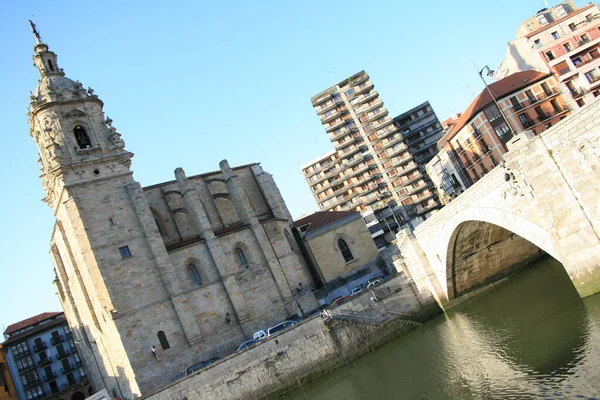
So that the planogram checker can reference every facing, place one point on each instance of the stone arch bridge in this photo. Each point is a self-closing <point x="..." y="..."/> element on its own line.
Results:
<point x="544" y="198"/>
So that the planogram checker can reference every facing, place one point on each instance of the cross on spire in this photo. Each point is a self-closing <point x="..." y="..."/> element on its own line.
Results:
<point x="38" y="38"/>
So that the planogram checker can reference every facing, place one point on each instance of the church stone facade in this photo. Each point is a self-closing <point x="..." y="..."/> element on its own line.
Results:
<point x="153" y="280"/>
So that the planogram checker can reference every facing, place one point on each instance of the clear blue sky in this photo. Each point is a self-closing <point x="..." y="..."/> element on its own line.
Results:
<point x="191" y="83"/>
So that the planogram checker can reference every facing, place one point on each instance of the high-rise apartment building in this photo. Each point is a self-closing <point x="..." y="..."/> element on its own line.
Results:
<point x="43" y="360"/>
<point x="371" y="166"/>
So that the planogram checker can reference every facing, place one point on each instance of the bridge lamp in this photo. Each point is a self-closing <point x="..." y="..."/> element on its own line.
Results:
<point x="489" y="73"/>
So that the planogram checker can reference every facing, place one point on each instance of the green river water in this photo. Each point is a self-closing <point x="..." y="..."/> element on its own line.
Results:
<point x="531" y="337"/>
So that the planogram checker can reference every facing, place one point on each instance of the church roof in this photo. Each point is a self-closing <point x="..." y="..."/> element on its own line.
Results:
<point x="321" y="218"/>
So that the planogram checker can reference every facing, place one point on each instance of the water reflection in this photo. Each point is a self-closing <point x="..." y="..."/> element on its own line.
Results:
<point x="531" y="337"/>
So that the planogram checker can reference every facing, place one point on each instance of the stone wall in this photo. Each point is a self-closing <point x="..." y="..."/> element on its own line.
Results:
<point x="305" y="352"/>
<point x="328" y="257"/>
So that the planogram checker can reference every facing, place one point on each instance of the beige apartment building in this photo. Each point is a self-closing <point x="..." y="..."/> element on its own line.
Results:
<point x="566" y="40"/>
<point x="371" y="166"/>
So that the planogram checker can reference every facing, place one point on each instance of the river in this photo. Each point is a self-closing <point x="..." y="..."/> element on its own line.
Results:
<point x="531" y="337"/>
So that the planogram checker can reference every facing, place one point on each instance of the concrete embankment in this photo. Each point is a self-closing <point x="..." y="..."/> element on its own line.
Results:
<point x="309" y="350"/>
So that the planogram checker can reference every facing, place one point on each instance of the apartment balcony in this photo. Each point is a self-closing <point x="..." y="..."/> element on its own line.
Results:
<point x="62" y="354"/>
<point x="353" y="173"/>
<point x="337" y="124"/>
<point x="67" y="369"/>
<point x="361" y="181"/>
<point x="371" y="107"/>
<point x="361" y="78"/>
<point x="57" y="339"/>
<point x="383" y="111"/>
<point x="40" y="346"/>
<point x="406" y="180"/>
<point x="381" y="123"/>
<point x="397" y="149"/>
<point x="564" y="71"/>
<point x="368" y="96"/>
<point x="387" y="131"/>
<point x="415" y="189"/>
<point x="353" y="161"/>
<point x="50" y="377"/>
<point x="575" y="93"/>
<point x="325" y="118"/>
<point x="392" y="141"/>
<point x="363" y="87"/>
<point x="411" y="166"/>
<point x="350" y="150"/>
<point x="423" y="209"/>
<point x="342" y="133"/>
<point x="45" y="361"/>
<point x="329" y="105"/>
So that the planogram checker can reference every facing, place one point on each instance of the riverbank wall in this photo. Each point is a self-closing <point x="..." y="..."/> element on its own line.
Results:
<point x="311" y="349"/>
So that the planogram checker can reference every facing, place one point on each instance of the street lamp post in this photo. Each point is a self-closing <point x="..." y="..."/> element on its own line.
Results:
<point x="490" y="73"/>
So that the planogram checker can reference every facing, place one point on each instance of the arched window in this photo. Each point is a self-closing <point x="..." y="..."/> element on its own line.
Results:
<point x="50" y="65"/>
<point x="82" y="138"/>
<point x="162" y="338"/>
<point x="241" y="258"/>
<point x="158" y="223"/>
<point x="194" y="275"/>
<point x="345" y="250"/>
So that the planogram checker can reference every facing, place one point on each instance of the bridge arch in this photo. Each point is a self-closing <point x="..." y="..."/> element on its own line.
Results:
<point x="476" y="235"/>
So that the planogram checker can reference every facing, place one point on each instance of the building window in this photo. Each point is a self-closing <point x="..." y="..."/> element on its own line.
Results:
<point x="82" y="138"/>
<point x="537" y="43"/>
<point x="580" y="102"/>
<point x="560" y="10"/>
<point x="585" y="38"/>
<point x="53" y="386"/>
<point x="162" y="338"/>
<point x="345" y="250"/>
<point x="555" y="35"/>
<point x="572" y="26"/>
<point x="568" y="47"/>
<point x="349" y="92"/>
<point x="66" y="366"/>
<point x="542" y="19"/>
<point x="591" y="76"/>
<point x="71" y="379"/>
<point x="241" y="257"/>
<point x="125" y="253"/>
<point x="50" y="65"/>
<point x="194" y="275"/>
<point x="158" y="223"/>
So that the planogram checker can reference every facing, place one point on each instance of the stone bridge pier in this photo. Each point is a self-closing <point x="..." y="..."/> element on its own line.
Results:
<point x="543" y="199"/>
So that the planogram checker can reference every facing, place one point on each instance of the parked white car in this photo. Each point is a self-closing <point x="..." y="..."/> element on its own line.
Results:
<point x="356" y="290"/>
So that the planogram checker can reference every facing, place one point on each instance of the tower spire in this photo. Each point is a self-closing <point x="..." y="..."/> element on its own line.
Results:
<point x="38" y="38"/>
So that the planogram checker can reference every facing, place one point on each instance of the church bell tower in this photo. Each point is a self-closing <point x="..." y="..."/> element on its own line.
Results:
<point x="76" y="141"/>
<point x="103" y="238"/>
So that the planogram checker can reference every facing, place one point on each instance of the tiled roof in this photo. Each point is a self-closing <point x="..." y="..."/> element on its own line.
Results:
<point x="501" y="88"/>
<point x="558" y="21"/>
<point x="321" y="218"/>
<point x="30" y="321"/>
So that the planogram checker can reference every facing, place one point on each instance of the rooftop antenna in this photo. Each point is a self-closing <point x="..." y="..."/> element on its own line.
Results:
<point x="546" y="3"/>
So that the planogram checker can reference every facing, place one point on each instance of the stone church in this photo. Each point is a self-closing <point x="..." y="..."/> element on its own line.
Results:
<point x="156" y="279"/>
